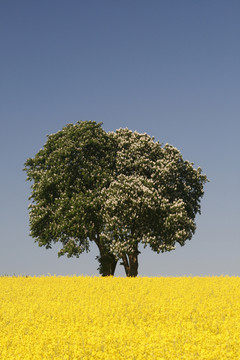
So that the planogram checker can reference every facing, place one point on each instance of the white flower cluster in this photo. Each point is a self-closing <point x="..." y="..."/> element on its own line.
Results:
<point x="151" y="199"/>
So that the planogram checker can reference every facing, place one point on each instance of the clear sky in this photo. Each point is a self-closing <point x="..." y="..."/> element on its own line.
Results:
<point x="166" y="67"/>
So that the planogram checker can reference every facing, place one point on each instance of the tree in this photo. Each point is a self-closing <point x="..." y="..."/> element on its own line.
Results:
<point x="152" y="199"/>
<point x="67" y="177"/>
<point x="116" y="189"/>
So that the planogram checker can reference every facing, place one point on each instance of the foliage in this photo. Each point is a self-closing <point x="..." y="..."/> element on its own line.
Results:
<point x="153" y="198"/>
<point x="77" y="318"/>
<point x="67" y="175"/>
<point x="117" y="189"/>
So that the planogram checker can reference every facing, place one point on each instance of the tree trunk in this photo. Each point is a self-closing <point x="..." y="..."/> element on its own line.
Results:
<point x="107" y="261"/>
<point x="130" y="263"/>
<point x="133" y="261"/>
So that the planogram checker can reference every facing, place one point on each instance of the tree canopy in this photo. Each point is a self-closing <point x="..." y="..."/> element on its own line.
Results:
<point x="118" y="189"/>
<point x="153" y="198"/>
<point x="67" y="175"/>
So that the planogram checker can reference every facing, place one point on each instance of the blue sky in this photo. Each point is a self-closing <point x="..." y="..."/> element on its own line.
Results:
<point x="167" y="67"/>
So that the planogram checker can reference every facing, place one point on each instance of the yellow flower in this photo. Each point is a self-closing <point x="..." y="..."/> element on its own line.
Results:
<point x="81" y="318"/>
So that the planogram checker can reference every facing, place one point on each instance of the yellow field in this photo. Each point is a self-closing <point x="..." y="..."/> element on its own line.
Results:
<point x="120" y="318"/>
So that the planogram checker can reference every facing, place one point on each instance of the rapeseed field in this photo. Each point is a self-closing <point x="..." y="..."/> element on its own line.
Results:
<point x="119" y="318"/>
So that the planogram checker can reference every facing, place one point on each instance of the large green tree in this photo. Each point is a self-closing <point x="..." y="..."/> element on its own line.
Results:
<point x="117" y="189"/>
<point x="67" y="176"/>
<point x="152" y="199"/>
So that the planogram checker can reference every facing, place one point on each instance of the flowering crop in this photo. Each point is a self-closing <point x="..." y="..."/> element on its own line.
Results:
<point x="119" y="318"/>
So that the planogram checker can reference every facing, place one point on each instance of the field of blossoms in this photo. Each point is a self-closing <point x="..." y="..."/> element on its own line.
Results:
<point x="119" y="318"/>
